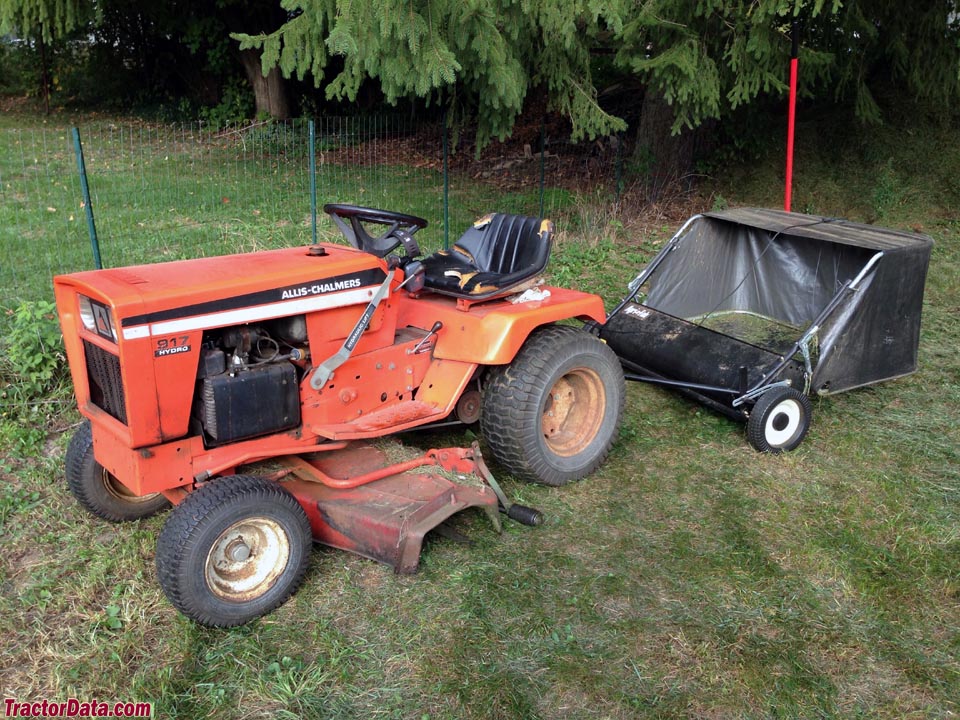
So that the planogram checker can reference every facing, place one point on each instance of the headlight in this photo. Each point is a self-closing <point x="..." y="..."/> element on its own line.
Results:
<point x="97" y="318"/>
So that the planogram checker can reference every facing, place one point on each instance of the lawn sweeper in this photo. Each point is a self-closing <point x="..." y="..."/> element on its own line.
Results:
<point x="751" y="312"/>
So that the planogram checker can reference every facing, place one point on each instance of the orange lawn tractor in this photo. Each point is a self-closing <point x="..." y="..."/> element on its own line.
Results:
<point x="187" y="372"/>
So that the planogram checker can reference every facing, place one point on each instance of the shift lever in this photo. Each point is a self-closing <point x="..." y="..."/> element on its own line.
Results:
<point x="433" y="331"/>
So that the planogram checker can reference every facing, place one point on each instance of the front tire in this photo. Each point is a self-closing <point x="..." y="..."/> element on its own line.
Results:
<point x="552" y="415"/>
<point x="100" y="492"/>
<point x="779" y="420"/>
<point x="233" y="550"/>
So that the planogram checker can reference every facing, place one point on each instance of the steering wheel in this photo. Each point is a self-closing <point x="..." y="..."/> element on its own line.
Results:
<point x="400" y="229"/>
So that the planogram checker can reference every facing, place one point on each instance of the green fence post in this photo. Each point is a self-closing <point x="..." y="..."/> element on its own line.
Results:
<point x="446" y="186"/>
<point x="313" y="179"/>
<point x="87" y="204"/>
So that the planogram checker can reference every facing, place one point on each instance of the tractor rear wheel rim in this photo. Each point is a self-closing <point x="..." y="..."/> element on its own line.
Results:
<point x="246" y="559"/>
<point x="121" y="492"/>
<point x="573" y="412"/>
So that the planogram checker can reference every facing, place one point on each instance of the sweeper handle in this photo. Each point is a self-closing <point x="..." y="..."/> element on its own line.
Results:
<point x="791" y="114"/>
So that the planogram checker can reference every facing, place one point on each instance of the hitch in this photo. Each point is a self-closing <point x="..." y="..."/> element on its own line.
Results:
<point x="521" y="513"/>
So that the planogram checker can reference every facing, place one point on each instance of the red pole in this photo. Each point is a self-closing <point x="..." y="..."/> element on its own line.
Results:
<point x="791" y="118"/>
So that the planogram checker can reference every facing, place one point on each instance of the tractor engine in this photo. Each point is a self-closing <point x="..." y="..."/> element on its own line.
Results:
<point x="248" y="380"/>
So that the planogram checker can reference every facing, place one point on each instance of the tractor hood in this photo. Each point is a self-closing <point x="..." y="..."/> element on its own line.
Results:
<point x="191" y="294"/>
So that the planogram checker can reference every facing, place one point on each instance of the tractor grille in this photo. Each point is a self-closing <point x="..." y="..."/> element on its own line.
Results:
<point x="106" y="385"/>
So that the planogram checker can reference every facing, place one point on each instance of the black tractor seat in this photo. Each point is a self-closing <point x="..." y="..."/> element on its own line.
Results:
<point x="497" y="255"/>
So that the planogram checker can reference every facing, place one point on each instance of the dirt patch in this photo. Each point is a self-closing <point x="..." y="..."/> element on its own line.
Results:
<point x="19" y="565"/>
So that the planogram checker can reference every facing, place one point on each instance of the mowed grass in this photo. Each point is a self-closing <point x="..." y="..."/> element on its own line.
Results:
<point x="688" y="577"/>
<point x="169" y="192"/>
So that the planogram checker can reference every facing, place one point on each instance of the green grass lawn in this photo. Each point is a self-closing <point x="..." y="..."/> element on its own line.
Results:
<point x="688" y="577"/>
<point x="168" y="192"/>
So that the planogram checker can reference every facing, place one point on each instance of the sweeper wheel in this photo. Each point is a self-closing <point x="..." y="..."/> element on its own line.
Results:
<point x="779" y="421"/>
<point x="552" y="415"/>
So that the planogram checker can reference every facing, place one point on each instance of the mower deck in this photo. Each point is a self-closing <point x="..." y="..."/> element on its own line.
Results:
<point x="386" y="519"/>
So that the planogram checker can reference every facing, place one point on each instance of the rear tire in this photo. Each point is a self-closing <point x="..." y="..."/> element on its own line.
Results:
<point x="99" y="491"/>
<point x="779" y="420"/>
<point x="552" y="415"/>
<point x="233" y="550"/>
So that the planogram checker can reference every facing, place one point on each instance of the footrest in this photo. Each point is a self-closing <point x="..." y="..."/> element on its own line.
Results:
<point x="373" y="424"/>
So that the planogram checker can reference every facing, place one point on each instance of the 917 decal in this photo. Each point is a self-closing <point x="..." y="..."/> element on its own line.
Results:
<point x="172" y="346"/>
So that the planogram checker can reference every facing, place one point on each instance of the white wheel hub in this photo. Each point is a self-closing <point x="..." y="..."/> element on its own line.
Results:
<point x="783" y="422"/>
<point x="246" y="559"/>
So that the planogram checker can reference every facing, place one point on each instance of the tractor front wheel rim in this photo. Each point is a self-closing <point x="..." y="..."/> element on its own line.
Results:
<point x="121" y="492"/>
<point x="573" y="412"/>
<point x="246" y="559"/>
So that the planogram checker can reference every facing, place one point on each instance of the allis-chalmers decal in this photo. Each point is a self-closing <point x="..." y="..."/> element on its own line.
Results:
<point x="250" y="307"/>
<point x="320" y="288"/>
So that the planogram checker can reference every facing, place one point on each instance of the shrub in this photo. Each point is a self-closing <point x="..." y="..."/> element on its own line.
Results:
<point x="33" y="358"/>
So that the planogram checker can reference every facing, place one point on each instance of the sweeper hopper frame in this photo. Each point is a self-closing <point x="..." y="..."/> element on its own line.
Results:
<point x="752" y="312"/>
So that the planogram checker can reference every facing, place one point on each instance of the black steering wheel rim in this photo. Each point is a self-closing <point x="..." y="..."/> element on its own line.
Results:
<point x="374" y="215"/>
<point x="351" y="218"/>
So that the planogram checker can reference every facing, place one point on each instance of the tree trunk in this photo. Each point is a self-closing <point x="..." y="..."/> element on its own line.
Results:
<point x="270" y="91"/>
<point x="44" y="74"/>
<point x="664" y="159"/>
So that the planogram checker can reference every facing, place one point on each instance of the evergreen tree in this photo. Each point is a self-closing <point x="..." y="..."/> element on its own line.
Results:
<point x="909" y="48"/>
<point x="46" y="20"/>
<point x="481" y="56"/>
<point x="703" y="58"/>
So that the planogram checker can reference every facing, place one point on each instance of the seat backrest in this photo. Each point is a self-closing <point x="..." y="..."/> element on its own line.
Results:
<point x="507" y="244"/>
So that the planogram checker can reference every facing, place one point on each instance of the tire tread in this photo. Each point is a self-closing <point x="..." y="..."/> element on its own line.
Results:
<point x="511" y="396"/>
<point x="80" y="469"/>
<point x="755" y="424"/>
<point x="179" y="536"/>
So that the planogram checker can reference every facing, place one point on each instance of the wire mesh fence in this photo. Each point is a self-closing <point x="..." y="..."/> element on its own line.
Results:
<point x="169" y="192"/>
